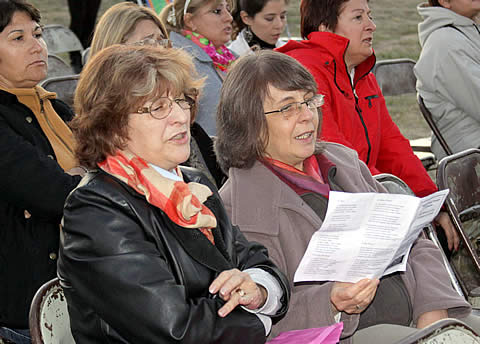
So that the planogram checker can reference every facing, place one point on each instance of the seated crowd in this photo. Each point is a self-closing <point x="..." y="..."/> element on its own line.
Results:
<point x="166" y="237"/>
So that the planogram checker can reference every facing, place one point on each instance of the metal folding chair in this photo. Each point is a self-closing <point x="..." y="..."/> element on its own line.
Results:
<point x="460" y="173"/>
<point x="395" y="185"/>
<point x="396" y="77"/>
<point x="429" y="119"/>
<point x="57" y="67"/>
<point x="64" y="86"/>
<point x="451" y="331"/>
<point x="49" y="320"/>
<point x="61" y="39"/>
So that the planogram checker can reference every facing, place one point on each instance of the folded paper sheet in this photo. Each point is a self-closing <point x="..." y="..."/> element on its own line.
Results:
<point x="366" y="235"/>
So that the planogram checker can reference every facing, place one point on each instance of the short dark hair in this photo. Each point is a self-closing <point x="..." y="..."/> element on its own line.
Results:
<point x="252" y="7"/>
<point x="434" y="3"/>
<point x="314" y="13"/>
<point x="114" y="84"/>
<point x="242" y="132"/>
<point x="9" y="7"/>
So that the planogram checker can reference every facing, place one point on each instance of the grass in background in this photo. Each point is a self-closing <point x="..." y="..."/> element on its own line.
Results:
<point x="395" y="37"/>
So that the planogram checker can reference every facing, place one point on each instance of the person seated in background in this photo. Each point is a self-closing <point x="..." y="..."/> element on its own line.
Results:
<point x="37" y="163"/>
<point x="202" y="28"/>
<point x="83" y="15"/>
<point x="148" y="253"/>
<point x="338" y="51"/>
<point x="128" y="23"/>
<point x="448" y="71"/>
<point x="258" y="25"/>
<point x="277" y="192"/>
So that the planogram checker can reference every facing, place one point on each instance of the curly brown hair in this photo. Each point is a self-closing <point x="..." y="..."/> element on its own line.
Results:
<point x="117" y="81"/>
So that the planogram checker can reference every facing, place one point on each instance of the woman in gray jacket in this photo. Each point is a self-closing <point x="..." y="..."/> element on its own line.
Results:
<point x="448" y="71"/>
<point x="277" y="193"/>
<point x="202" y="28"/>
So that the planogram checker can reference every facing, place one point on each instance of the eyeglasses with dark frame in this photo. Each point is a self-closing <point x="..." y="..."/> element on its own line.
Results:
<point x="295" y="108"/>
<point x="162" y="107"/>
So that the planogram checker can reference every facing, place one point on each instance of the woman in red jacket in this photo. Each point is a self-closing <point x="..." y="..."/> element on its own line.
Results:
<point x="338" y="52"/>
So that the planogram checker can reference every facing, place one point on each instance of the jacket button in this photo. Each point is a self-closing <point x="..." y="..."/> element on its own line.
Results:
<point x="29" y="119"/>
<point x="27" y="214"/>
<point x="51" y="156"/>
<point x="52" y="256"/>
<point x="327" y="63"/>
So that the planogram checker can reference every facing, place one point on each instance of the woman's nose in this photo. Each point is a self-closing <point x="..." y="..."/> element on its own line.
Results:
<point x="371" y="25"/>
<point x="179" y="115"/>
<point x="38" y="44"/>
<point x="227" y="17"/>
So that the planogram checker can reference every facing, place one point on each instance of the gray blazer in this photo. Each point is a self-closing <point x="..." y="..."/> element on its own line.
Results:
<point x="270" y="212"/>
<point x="210" y="96"/>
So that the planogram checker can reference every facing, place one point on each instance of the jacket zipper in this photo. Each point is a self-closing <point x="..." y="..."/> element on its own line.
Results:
<point x="42" y="111"/>
<point x="357" y="108"/>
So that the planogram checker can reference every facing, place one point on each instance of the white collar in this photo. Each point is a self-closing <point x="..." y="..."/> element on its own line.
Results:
<point x="167" y="174"/>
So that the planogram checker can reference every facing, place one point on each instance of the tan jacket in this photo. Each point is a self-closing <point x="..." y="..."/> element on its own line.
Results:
<point x="270" y="212"/>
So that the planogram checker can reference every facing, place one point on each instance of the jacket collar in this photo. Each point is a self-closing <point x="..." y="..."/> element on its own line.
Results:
<point x="336" y="46"/>
<point x="178" y="41"/>
<point x="215" y="257"/>
<point x="260" y="184"/>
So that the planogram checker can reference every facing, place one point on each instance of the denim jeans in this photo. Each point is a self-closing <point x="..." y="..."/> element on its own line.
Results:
<point x="18" y="336"/>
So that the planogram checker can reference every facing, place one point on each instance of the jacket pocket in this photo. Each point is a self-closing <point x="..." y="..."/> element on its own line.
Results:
<point x="369" y="99"/>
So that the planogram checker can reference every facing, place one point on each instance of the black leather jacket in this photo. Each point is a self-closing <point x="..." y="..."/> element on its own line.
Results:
<point x="133" y="276"/>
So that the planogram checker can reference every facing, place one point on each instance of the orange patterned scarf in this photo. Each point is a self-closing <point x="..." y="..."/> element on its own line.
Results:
<point x="182" y="202"/>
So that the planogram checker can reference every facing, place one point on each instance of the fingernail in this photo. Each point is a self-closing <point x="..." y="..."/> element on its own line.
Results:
<point x="223" y="292"/>
<point x="221" y="313"/>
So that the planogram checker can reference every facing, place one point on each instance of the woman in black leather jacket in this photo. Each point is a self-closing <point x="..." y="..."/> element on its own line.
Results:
<point x="148" y="254"/>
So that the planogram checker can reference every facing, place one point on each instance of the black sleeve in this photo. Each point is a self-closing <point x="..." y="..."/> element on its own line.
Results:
<point x="29" y="178"/>
<point x="126" y="278"/>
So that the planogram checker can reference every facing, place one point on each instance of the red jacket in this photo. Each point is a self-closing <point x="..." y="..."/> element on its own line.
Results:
<point x="357" y="116"/>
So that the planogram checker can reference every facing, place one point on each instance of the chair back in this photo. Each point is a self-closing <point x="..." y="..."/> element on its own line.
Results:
<point x="393" y="184"/>
<point x="61" y="39"/>
<point x="64" y="86"/>
<point x="85" y="56"/>
<point x="395" y="76"/>
<point x="460" y="173"/>
<point x="57" y="67"/>
<point x="429" y="119"/>
<point x="49" y="321"/>
<point x="447" y="330"/>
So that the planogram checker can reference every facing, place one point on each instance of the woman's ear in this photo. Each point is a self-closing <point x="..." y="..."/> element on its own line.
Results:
<point x="323" y="28"/>
<point x="247" y="20"/>
<point x="445" y="3"/>
<point x="188" y="22"/>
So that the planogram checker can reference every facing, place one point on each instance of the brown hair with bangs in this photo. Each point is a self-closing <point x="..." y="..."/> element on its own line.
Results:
<point x="115" y="83"/>
<point x="9" y="7"/>
<point x="314" y="13"/>
<point x="242" y="132"/>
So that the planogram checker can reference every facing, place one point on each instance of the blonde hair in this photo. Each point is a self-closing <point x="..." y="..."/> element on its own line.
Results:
<point x="177" y="8"/>
<point x="114" y="84"/>
<point x="118" y="22"/>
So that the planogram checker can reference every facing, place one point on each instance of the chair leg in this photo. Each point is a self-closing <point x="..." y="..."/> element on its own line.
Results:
<point x="432" y="235"/>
